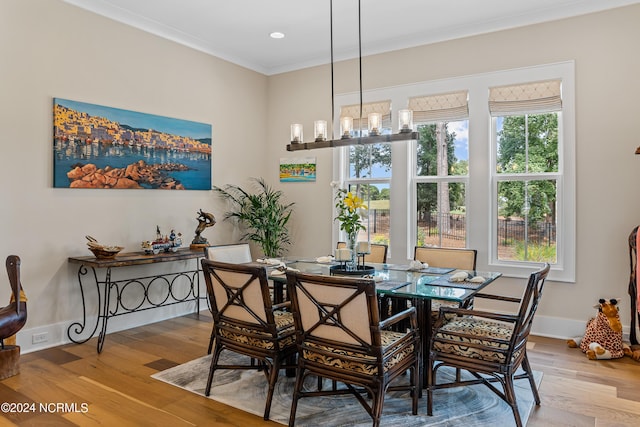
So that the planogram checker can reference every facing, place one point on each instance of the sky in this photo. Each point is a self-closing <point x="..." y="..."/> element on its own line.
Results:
<point x="461" y="143"/>
<point x="135" y="119"/>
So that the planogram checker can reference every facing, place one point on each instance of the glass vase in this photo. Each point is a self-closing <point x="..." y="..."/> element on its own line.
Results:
<point x="351" y="244"/>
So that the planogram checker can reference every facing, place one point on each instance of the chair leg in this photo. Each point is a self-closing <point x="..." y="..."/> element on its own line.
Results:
<point x="415" y="384"/>
<point x="214" y="363"/>
<point x="296" y="395"/>
<point x="213" y="337"/>
<point x="378" y="402"/>
<point x="431" y="380"/>
<point x="510" y="394"/>
<point x="273" y="377"/>
<point x="534" y="389"/>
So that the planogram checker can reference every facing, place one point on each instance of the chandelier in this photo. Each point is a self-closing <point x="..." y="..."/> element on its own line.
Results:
<point x="374" y="120"/>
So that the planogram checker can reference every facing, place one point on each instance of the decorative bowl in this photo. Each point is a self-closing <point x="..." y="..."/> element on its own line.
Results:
<point x="102" y="251"/>
<point x="106" y="252"/>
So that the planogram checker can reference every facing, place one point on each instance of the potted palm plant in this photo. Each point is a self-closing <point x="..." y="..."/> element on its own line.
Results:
<point x="263" y="214"/>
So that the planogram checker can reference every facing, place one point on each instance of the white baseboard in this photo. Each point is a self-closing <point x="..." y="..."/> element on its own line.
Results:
<point x="557" y="327"/>
<point x="552" y="327"/>
<point x="56" y="334"/>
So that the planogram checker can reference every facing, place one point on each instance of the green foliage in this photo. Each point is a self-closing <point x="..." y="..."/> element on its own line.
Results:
<point x="536" y="253"/>
<point x="421" y="238"/>
<point x="362" y="157"/>
<point x="263" y="214"/>
<point x="380" y="240"/>
<point x="369" y="192"/>
<point x="528" y="144"/>
<point x="427" y="165"/>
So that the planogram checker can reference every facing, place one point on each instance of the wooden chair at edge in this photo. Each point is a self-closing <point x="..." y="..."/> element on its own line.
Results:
<point x="490" y="346"/>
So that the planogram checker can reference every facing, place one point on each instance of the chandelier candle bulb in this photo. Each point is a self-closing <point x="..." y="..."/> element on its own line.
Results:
<point x="375" y="123"/>
<point x="346" y="126"/>
<point x="320" y="130"/>
<point x="405" y="120"/>
<point x="363" y="248"/>
<point x="343" y="254"/>
<point x="296" y="133"/>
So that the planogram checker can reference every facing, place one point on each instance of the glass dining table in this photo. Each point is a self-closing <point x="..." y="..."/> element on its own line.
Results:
<point x="419" y="286"/>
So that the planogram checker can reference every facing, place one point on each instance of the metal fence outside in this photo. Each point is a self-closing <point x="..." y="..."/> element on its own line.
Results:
<point x="454" y="227"/>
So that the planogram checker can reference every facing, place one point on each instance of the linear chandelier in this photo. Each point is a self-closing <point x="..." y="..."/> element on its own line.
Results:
<point x="374" y="120"/>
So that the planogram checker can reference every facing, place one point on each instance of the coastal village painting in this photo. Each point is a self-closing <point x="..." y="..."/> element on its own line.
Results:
<point x="298" y="169"/>
<point x="104" y="147"/>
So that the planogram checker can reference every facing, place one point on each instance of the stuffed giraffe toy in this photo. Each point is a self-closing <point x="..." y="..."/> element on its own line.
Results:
<point x="603" y="336"/>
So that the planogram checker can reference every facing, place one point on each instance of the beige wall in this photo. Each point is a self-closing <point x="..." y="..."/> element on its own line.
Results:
<point x="603" y="47"/>
<point x="63" y="51"/>
<point x="51" y="49"/>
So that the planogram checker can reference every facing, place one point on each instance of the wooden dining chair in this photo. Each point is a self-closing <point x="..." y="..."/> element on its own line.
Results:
<point x="236" y="253"/>
<point x="458" y="258"/>
<point x="377" y="255"/>
<point x="246" y="322"/>
<point x="490" y="346"/>
<point x="340" y="337"/>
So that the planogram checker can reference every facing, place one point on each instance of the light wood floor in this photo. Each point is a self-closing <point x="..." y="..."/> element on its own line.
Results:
<point x="117" y="387"/>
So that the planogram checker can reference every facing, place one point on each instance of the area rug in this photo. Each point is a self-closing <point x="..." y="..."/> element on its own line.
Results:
<point x="246" y="390"/>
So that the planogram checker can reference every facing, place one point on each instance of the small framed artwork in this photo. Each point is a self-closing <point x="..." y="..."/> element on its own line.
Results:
<point x="301" y="169"/>
<point x="103" y="147"/>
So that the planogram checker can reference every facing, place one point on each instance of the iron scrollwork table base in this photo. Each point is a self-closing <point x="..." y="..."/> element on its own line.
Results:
<point x="110" y="292"/>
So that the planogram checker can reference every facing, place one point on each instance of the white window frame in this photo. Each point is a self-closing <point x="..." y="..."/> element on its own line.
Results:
<point x="481" y="187"/>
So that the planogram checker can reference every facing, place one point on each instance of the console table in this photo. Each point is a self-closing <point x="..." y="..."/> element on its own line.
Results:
<point x="110" y="291"/>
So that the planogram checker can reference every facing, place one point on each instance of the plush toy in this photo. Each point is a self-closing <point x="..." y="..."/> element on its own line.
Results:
<point x="603" y="337"/>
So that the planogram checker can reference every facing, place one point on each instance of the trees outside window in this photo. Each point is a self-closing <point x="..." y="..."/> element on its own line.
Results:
<point x="440" y="201"/>
<point x="526" y="177"/>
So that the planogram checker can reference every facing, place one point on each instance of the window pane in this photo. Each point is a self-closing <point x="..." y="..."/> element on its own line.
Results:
<point x="370" y="161"/>
<point x="527" y="144"/>
<point x="526" y="222"/>
<point x="454" y="160"/>
<point x="376" y="218"/>
<point x="441" y="214"/>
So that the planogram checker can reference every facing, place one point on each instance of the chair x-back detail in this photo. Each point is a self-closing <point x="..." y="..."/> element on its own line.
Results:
<point x="490" y="346"/>
<point x="246" y="321"/>
<point x="341" y="338"/>
<point x="235" y="253"/>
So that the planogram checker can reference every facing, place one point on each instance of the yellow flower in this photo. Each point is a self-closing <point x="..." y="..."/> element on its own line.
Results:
<point x="354" y="202"/>
<point x="347" y="205"/>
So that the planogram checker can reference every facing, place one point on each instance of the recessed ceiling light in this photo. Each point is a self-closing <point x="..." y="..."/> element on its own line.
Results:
<point x="277" y="35"/>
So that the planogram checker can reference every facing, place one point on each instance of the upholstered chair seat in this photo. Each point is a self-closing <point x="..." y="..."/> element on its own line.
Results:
<point x="258" y="337"/>
<point x="359" y="362"/>
<point x="456" y="334"/>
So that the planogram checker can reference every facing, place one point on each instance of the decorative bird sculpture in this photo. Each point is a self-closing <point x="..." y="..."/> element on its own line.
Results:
<point x="13" y="316"/>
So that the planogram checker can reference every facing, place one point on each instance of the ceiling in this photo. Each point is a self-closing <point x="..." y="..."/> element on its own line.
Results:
<point x="238" y="30"/>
